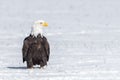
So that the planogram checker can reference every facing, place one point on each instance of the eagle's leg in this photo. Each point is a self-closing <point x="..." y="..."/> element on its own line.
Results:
<point x="43" y="64"/>
<point x="29" y="64"/>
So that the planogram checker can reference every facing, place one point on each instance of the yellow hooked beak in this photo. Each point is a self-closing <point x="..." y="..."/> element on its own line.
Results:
<point x="45" y="24"/>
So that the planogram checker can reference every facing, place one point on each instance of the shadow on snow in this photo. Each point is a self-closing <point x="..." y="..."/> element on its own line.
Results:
<point x="17" y="67"/>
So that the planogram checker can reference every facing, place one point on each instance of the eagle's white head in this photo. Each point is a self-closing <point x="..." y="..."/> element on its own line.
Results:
<point x="37" y="27"/>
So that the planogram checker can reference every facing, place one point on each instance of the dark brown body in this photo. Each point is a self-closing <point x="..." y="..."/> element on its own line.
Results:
<point x="36" y="51"/>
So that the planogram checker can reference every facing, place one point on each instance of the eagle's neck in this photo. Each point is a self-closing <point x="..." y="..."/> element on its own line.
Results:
<point x="36" y="30"/>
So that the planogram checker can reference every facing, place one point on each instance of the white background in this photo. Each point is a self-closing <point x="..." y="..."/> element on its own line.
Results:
<point x="84" y="37"/>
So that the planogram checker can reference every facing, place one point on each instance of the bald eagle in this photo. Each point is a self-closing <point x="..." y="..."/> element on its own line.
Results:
<point x="36" y="49"/>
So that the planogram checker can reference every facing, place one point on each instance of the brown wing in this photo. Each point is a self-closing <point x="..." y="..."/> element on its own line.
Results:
<point x="46" y="47"/>
<point x="26" y="43"/>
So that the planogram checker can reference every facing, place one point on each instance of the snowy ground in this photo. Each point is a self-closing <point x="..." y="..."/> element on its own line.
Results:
<point x="84" y="36"/>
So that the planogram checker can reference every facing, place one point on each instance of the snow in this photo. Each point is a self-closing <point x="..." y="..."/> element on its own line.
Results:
<point x="83" y="35"/>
